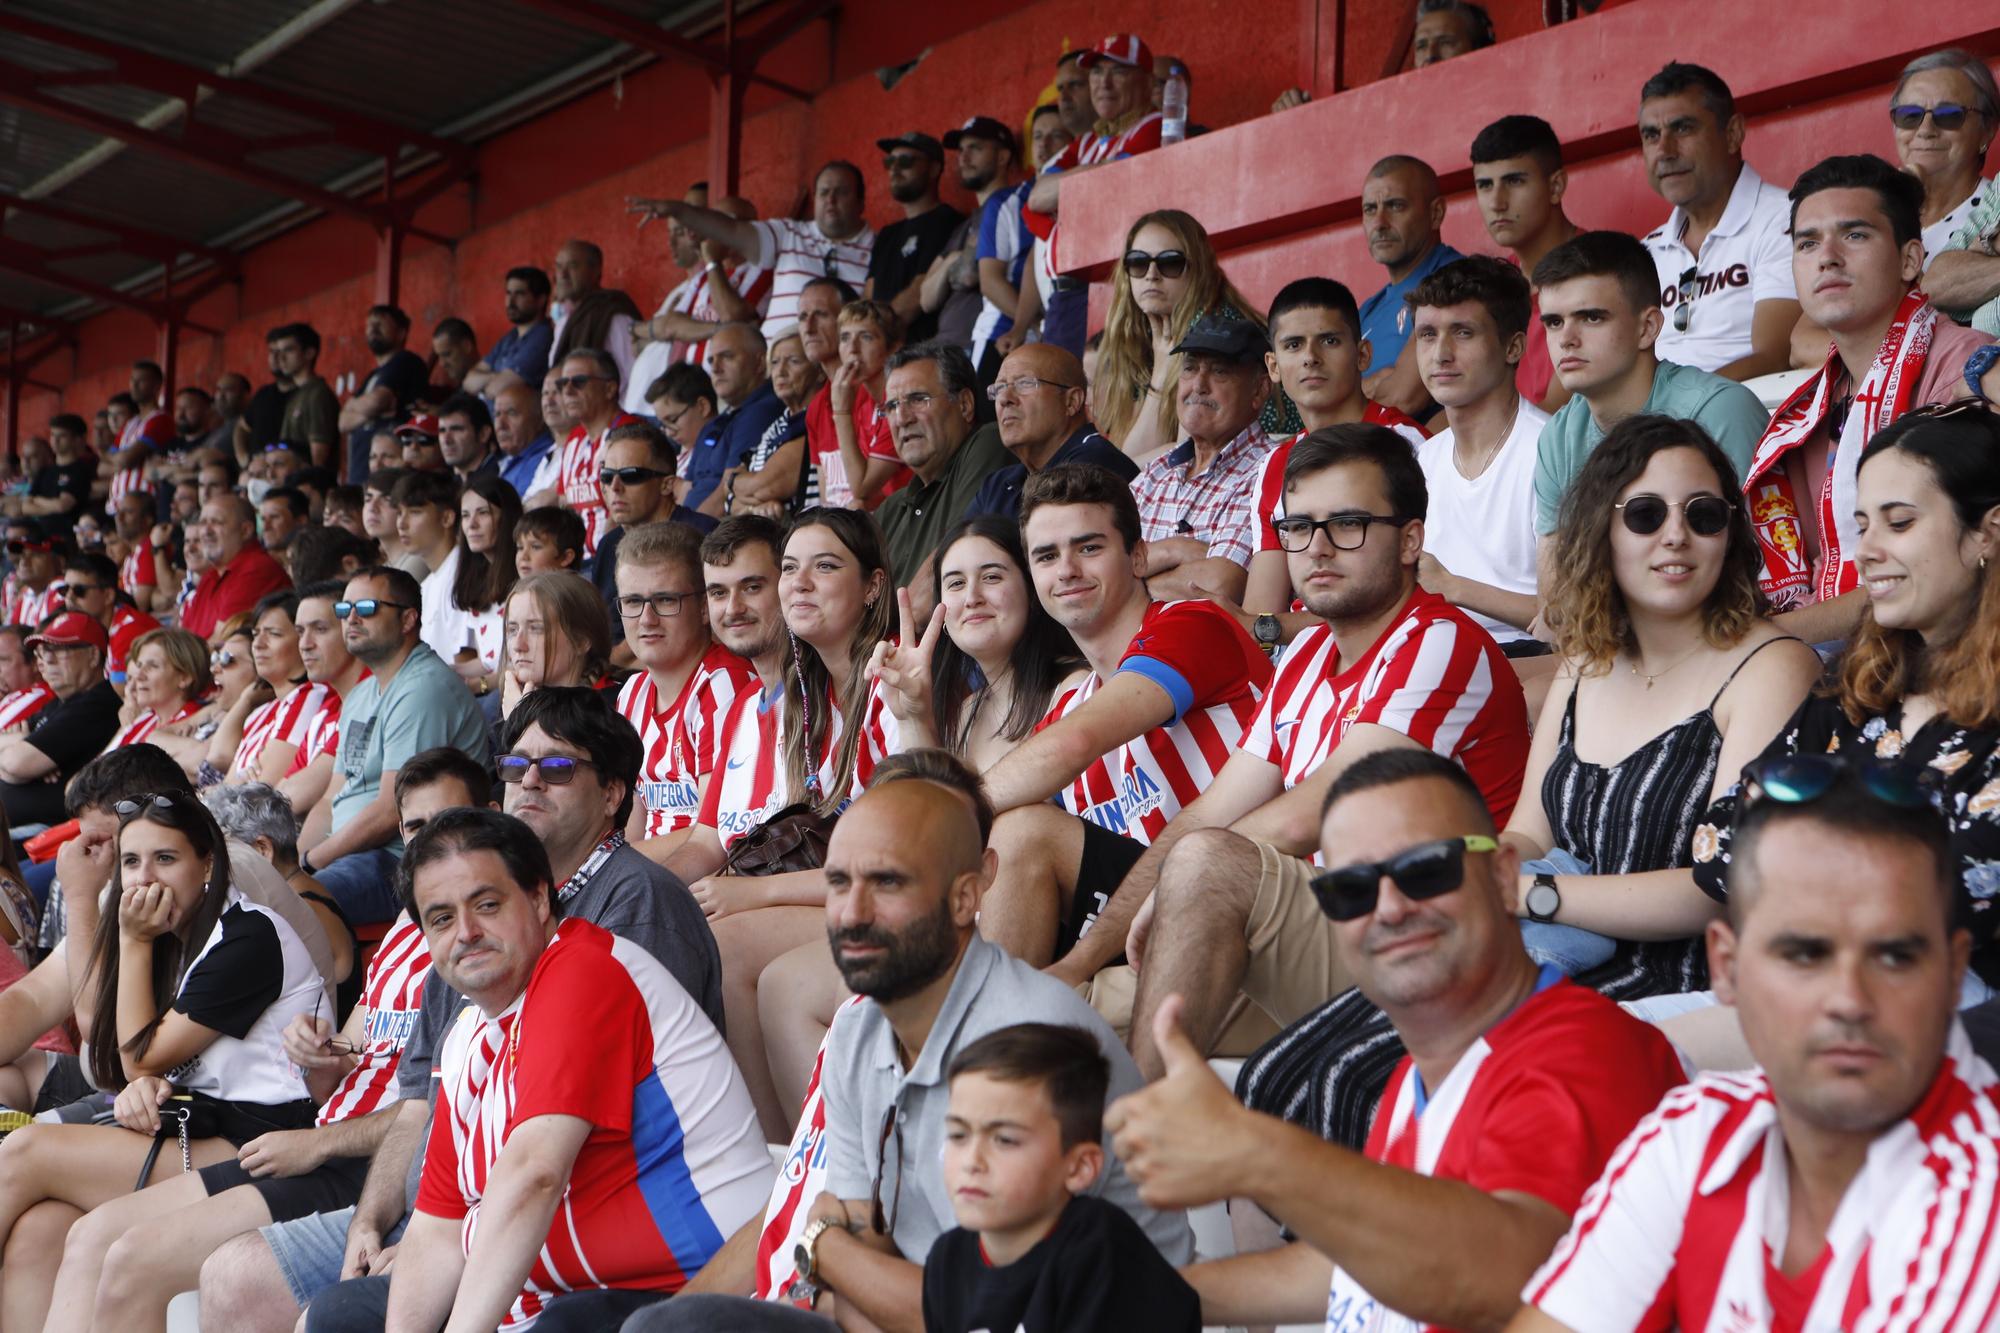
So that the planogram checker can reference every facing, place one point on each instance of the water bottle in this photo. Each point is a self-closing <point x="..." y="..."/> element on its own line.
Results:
<point x="1173" y="108"/>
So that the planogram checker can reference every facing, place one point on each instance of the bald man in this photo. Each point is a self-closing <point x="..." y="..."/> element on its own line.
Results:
<point x="1042" y="410"/>
<point x="1402" y="212"/>
<point x="239" y="572"/>
<point x="900" y="919"/>
<point x="587" y="314"/>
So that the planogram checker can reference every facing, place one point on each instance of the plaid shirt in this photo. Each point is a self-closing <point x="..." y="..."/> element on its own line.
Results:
<point x="1219" y="507"/>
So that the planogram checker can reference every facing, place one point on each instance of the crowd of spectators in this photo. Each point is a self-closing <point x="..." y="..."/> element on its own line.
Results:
<point x="784" y="803"/>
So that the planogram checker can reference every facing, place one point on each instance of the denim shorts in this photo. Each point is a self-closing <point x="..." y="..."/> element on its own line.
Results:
<point x="309" y="1250"/>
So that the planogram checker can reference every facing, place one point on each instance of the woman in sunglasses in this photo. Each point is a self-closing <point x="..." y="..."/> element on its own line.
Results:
<point x="1671" y="680"/>
<point x="1943" y="114"/>
<point x="1919" y="684"/>
<point x="264" y="727"/>
<point x="189" y="978"/>
<point x="167" y="693"/>
<point x="1169" y="276"/>
<point x="487" y="512"/>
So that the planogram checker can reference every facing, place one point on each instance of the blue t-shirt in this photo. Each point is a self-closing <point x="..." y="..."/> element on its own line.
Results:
<point x="519" y="471"/>
<point x="1385" y="318"/>
<point x="729" y="440"/>
<point x="526" y="354"/>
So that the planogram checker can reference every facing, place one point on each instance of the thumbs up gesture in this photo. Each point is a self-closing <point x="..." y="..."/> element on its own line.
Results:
<point x="1185" y="1139"/>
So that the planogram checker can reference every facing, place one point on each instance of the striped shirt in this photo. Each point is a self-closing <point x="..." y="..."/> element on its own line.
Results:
<point x="20" y="705"/>
<point x="1215" y="676"/>
<point x="795" y="253"/>
<point x="288" y="720"/>
<point x="137" y="571"/>
<point x="1271" y="484"/>
<point x="674" y="1162"/>
<point x="578" y="479"/>
<point x="1141" y="136"/>
<point x="393" y="996"/>
<point x="1687" y="1222"/>
<point x="801" y="1180"/>
<point x="144" y="725"/>
<point x="322" y="735"/>
<point x="750" y="785"/>
<point x="31" y="608"/>
<point x="680" y="738"/>
<point x="1433" y="675"/>
<point x="127" y="481"/>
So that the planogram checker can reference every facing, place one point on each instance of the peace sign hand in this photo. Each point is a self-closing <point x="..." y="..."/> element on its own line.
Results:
<point x="904" y="666"/>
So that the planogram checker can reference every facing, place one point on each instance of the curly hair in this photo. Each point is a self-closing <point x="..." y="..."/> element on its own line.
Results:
<point x="1125" y="360"/>
<point x="1586" y="608"/>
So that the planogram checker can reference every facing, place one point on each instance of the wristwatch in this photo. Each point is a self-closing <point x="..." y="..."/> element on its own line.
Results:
<point x="805" y="1254"/>
<point x="1543" y="899"/>
<point x="1976" y="367"/>
<point x="1265" y="630"/>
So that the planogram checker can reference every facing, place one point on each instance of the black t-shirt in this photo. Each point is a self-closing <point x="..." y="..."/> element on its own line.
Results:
<point x="75" y="730"/>
<point x="1095" y="1270"/>
<point x="903" y="254"/>
<point x="266" y="414"/>
<point x="63" y="479"/>
<point x="403" y="375"/>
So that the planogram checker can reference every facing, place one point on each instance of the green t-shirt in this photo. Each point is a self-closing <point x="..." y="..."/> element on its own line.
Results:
<point x="427" y="705"/>
<point x="1725" y="409"/>
<point x="916" y="517"/>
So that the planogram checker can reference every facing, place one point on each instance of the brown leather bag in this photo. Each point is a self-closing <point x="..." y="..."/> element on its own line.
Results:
<point x="792" y="839"/>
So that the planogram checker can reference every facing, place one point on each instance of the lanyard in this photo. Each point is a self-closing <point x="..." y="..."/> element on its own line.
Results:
<point x="591" y="865"/>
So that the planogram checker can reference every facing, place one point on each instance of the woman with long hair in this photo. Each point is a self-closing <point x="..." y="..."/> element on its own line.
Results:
<point x="185" y="966"/>
<point x="488" y="509"/>
<point x="168" y="688"/>
<point x="557" y="632"/>
<point x="1170" y="275"/>
<point x="263" y="729"/>
<point x="1671" y="679"/>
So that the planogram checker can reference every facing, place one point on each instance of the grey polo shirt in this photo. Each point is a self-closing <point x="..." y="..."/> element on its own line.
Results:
<point x="863" y="1077"/>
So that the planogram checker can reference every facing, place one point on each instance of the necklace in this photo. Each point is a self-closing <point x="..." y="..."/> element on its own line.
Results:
<point x="1650" y="677"/>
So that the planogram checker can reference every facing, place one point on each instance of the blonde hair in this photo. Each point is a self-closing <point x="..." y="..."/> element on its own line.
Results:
<point x="1125" y="366"/>
<point x="185" y="653"/>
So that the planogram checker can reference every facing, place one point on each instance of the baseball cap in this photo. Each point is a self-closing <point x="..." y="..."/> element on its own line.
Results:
<point x="420" y="423"/>
<point x="981" y="127"/>
<point x="70" y="628"/>
<point x="1219" y="333"/>
<point x="1122" y="48"/>
<point x="916" y="139"/>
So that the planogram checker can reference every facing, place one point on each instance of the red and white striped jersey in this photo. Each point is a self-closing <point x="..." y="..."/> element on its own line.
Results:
<point x="322" y="733"/>
<point x="1215" y="675"/>
<point x="801" y="1180"/>
<point x="1271" y="484"/>
<point x="1683" y="1226"/>
<point x="578" y="480"/>
<point x="20" y="705"/>
<point x="1433" y="675"/>
<point x="136" y="570"/>
<point x="31" y="608"/>
<point x="680" y="738"/>
<point x="393" y="995"/>
<point x="1536" y="1106"/>
<point x="1141" y="136"/>
<point x="748" y="785"/>
<point x="289" y="720"/>
<point x="881" y="737"/>
<point x="127" y="481"/>
<point x="142" y="726"/>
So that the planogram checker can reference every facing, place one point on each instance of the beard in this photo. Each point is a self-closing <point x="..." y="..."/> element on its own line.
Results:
<point x="1355" y="599"/>
<point x="380" y="346"/>
<point x="908" y="962"/>
<point x="909" y="191"/>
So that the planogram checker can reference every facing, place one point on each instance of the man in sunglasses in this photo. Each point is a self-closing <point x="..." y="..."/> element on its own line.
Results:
<point x="636" y="477"/>
<point x="418" y="439"/>
<point x="906" y="248"/>
<point x="1722" y="260"/>
<point x="1849" y="1179"/>
<point x="587" y="380"/>
<point x="90" y="585"/>
<point x="240" y="571"/>
<point x="1387" y="665"/>
<point x="34" y="592"/>
<point x="1857" y="255"/>
<point x="413" y="701"/>
<point x="1601" y="319"/>
<point x="1517" y="1087"/>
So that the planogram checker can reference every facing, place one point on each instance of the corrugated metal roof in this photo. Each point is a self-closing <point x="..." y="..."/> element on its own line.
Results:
<point x="418" y="65"/>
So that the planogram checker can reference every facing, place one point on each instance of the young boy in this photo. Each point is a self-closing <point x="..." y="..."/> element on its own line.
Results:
<point x="1033" y="1251"/>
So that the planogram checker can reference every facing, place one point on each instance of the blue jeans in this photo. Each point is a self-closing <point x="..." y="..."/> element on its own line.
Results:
<point x="364" y="884"/>
<point x="1571" y="949"/>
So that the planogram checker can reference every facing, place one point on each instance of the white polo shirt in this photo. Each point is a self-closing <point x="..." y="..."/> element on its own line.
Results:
<point x="1483" y="527"/>
<point x="1746" y="259"/>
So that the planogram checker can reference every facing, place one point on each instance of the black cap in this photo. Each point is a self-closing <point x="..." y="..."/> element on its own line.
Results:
<point x="982" y="127"/>
<point x="1221" y="333"/>
<point x="916" y="139"/>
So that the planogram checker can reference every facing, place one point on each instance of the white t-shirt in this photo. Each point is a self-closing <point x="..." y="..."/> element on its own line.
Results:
<point x="1483" y="527"/>
<point x="1938" y="235"/>
<point x="1746" y="259"/>
<point x="445" y="628"/>
<point x="797" y="252"/>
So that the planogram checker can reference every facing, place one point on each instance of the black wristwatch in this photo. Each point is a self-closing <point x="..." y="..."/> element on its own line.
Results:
<point x="1543" y="899"/>
<point x="1266" y="629"/>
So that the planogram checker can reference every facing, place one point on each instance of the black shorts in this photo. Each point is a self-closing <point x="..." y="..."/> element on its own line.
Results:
<point x="329" y="1188"/>
<point x="65" y="1084"/>
<point x="1525" y="648"/>
<point x="1107" y="858"/>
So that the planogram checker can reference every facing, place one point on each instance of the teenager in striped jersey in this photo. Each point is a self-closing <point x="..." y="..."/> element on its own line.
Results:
<point x="1851" y="1182"/>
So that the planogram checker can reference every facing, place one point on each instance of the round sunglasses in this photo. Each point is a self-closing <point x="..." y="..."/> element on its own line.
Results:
<point x="1645" y="515"/>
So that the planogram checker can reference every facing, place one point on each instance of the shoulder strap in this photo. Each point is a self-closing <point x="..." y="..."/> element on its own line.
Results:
<point x="1745" y="661"/>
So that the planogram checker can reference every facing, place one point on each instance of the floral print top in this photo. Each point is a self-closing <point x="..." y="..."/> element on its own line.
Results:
<point x="1967" y="765"/>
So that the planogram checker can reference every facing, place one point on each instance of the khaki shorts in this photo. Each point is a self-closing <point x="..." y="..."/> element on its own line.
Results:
<point x="1294" y="963"/>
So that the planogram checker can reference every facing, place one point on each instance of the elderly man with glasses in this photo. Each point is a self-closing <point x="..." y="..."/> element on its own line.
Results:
<point x="930" y="407"/>
<point x="587" y="383"/>
<point x="69" y="732"/>
<point x="413" y="701"/>
<point x="1043" y="414"/>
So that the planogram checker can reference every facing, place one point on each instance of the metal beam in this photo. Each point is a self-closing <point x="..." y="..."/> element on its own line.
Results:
<point x="28" y="262"/>
<point x="772" y="29"/>
<point x="641" y="35"/>
<point x="171" y="78"/>
<point x="134" y="240"/>
<point x="41" y="323"/>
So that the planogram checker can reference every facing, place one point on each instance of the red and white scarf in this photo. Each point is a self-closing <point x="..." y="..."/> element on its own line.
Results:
<point x="1886" y="392"/>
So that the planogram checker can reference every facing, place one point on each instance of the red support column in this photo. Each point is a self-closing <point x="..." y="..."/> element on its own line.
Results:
<point x="13" y="396"/>
<point x="725" y="109"/>
<point x="169" y="337"/>
<point x="1322" y="46"/>
<point x="388" y="264"/>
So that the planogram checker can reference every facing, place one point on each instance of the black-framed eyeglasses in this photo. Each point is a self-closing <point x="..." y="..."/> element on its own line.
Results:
<point x="673" y="423"/>
<point x="893" y="406"/>
<point x="556" y="770"/>
<point x="1644" y="515"/>
<point x="1947" y="115"/>
<point x="1801" y="779"/>
<point x="576" y="383"/>
<point x="338" y="1044"/>
<point x="664" y="604"/>
<point x="366" y="607"/>
<point x="1347" y="532"/>
<point x="1687" y="289"/>
<point x="1427" y="870"/>
<point x="629" y="476"/>
<point x="133" y="805"/>
<point x="1171" y="263"/>
<point x="1023" y="385"/>
<point x="892" y="1127"/>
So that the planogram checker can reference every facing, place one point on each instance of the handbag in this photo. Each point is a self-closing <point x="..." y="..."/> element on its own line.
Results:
<point x="196" y="1115"/>
<point x="792" y="839"/>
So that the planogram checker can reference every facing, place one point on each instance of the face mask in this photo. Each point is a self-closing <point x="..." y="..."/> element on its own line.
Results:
<point x="256" y="488"/>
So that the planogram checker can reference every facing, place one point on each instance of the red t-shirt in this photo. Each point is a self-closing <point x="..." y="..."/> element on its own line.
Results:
<point x="236" y="587"/>
<point x="836" y="488"/>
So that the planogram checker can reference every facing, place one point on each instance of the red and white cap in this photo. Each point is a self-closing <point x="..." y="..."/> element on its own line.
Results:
<point x="70" y="629"/>
<point x="419" y="424"/>
<point x="1123" y="48"/>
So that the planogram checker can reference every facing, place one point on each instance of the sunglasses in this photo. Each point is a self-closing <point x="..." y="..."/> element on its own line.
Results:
<point x="576" y="382"/>
<point x="222" y="661"/>
<point x="900" y="161"/>
<point x="1684" y="308"/>
<point x="1171" y="263"/>
<point x="131" y="806"/>
<point x="556" y="770"/>
<point x="1645" y="515"/>
<point x="892" y="1126"/>
<point x="1801" y="779"/>
<point x="628" y="476"/>
<point x="365" y="608"/>
<point x="74" y="590"/>
<point x="18" y="547"/>
<point x="1948" y="115"/>
<point x="1428" y="870"/>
